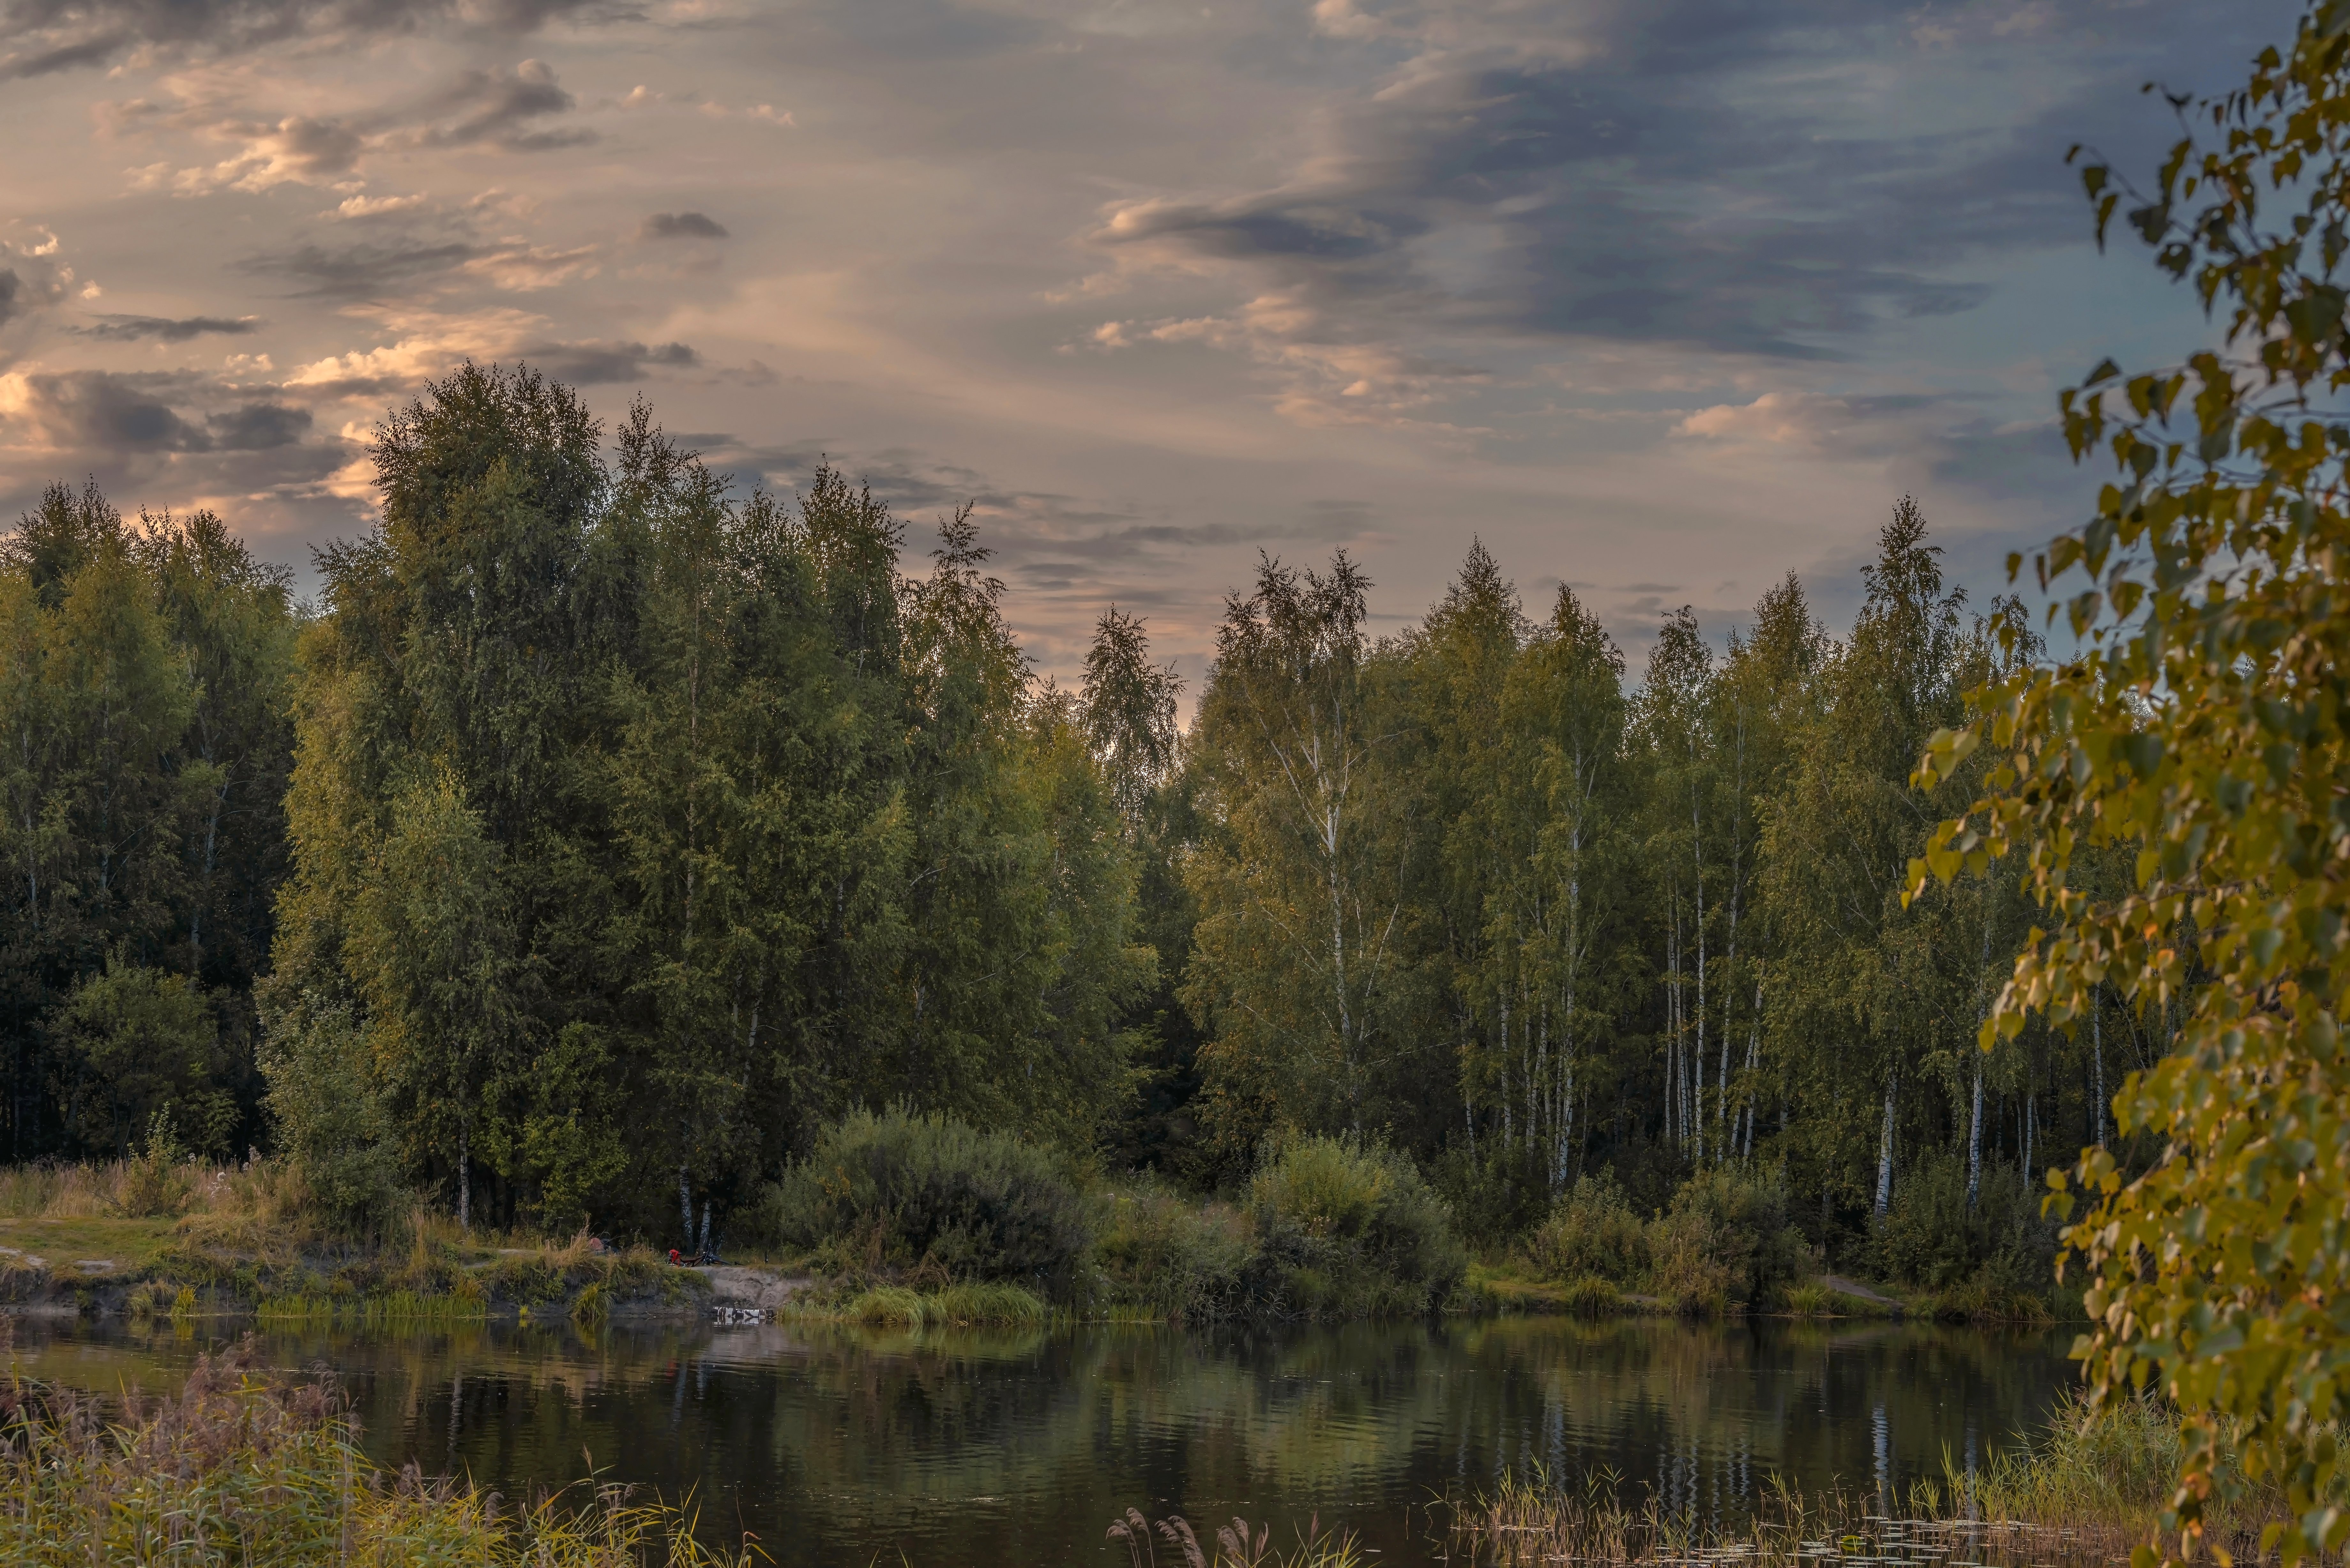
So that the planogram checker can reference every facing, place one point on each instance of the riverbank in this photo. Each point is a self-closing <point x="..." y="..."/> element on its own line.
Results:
<point x="188" y="1241"/>
<point x="141" y="1238"/>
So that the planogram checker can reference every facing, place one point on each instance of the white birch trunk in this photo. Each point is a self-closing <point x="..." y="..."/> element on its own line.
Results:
<point x="1885" y="1149"/>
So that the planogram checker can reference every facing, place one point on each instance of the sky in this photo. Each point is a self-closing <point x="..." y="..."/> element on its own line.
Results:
<point x="1662" y="299"/>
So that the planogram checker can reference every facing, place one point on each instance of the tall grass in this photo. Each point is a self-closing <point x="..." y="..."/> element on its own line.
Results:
<point x="1237" y="1545"/>
<point x="240" y="1472"/>
<point x="2086" y="1490"/>
<point x="1532" y="1521"/>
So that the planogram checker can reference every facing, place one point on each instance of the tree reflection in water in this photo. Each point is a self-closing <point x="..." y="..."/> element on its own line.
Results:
<point x="833" y="1445"/>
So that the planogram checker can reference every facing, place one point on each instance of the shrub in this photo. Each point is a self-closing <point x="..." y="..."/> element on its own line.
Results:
<point x="1591" y="1231"/>
<point x="1171" y="1257"/>
<point x="1349" y="1229"/>
<point x="155" y="1186"/>
<point x="925" y="1195"/>
<point x="1932" y="1239"/>
<point x="1724" y="1240"/>
<point x="330" y="1119"/>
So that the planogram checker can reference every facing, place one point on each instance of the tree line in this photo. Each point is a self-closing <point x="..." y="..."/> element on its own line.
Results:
<point x="601" y="836"/>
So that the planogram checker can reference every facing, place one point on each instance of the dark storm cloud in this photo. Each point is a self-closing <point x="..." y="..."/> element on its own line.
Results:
<point x="258" y="427"/>
<point x="10" y="287"/>
<point x="591" y="363"/>
<point x="103" y="412"/>
<point x="168" y="329"/>
<point x="497" y="107"/>
<point x="363" y="271"/>
<point x="682" y="226"/>
<point x="40" y="37"/>
<point x="107" y="411"/>
<point x="1672" y="184"/>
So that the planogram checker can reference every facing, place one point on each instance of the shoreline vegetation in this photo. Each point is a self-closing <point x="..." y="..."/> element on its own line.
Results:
<point x="247" y="1468"/>
<point x="908" y="1221"/>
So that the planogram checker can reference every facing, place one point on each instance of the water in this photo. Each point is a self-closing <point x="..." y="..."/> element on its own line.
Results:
<point x="842" y="1447"/>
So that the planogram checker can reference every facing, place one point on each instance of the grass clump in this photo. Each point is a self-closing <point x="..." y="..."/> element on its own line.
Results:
<point x="929" y="1198"/>
<point x="241" y="1471"/>
<point x="1807" y="1298"/>
<point x="1350" y="1229"/>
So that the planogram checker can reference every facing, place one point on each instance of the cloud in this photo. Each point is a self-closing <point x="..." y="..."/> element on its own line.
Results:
<point x="38" y="38"/>
<point x="591" y="363"/>
<point x="427" y="346"/>
<point x="682" y="226"/>
<point x="365" y="271"/>
<point x="76" y="410"/>
<point x="11" y="285"/>
<point x="1768" y="183"/>
<point x="497" y="107"/>
<point x="258" y="427"/>
<point x="167" y="329"/>
<point x="1876" y="425"/>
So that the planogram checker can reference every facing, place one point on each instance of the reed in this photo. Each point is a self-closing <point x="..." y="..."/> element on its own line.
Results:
<point x="1532" y="1521"/>
<point x="2090" y="1488"/>
<point x="1238" y="1544"/>
<point x="392" y="1310"/>
<point x="238" y="1470"/>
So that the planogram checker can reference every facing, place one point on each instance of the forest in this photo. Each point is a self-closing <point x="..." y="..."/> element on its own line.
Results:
<point x="601" y="835"/>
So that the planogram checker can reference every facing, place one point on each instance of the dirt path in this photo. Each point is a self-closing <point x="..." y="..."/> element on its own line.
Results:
<point x="734" y="1286"/>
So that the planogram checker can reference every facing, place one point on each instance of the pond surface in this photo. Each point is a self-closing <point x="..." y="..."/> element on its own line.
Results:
<point x="842" y="1447"/>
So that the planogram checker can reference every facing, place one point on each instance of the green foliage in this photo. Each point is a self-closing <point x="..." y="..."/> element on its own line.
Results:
<point x="1592" y="1296"/>
<point x="1591" y="1231"/>
<point x="155" y="1185"/>
<point x="642" y="829"/>
<point x="1349" y="1229"/>
<point x="927" y="1196"/>
<point x="1730" y="1223"/>
<point x="1806" y="1298"/>
<point x="1171" y="1257"/>
<point x="2200" y="733"/>
<point x="143" y="670"/>
<point x="133" y="1044"/>
<point x="1932" y="1239"/>
<point x="331" y="1118"/>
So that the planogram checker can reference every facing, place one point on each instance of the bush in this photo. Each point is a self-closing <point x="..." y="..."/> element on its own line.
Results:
<point x="154" y="1186"/>
<point x="1931" y="1239"/>
<point x="1347" y="1230"/>
<point x="1725" y="1241"/>
<point x="1591" y="1233"/>
<point x="929" y="1197"/>
<point x="1171" y="1257"/>
<point x="330" y="1121"/>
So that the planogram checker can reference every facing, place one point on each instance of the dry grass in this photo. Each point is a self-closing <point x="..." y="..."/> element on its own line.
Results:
<point x="237" y="1471"/>
<point x="2087" y="1491"/>
<point x="1238" y="1544"/>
